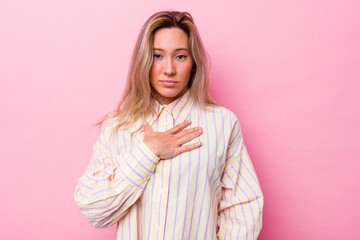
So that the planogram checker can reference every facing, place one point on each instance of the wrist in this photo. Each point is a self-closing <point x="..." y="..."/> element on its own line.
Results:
<point x="151" y="147"/>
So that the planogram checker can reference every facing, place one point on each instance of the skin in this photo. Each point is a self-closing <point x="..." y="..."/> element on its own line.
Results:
<point x="172" y="63"/>
<point x="169" y="78"/>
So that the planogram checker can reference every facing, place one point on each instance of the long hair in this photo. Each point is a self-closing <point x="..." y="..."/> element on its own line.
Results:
<point x="136" y="99"/>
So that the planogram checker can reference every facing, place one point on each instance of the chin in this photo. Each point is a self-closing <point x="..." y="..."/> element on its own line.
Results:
<point x="170" y="93"/>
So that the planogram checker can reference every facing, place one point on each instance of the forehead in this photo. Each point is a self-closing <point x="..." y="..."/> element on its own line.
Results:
<point x="170" y="38"/>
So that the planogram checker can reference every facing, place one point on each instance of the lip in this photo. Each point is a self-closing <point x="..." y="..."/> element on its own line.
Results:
<point x="168" y="83"/>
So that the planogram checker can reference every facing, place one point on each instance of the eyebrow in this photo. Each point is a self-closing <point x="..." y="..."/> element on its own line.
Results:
<point x="178" y="49"/>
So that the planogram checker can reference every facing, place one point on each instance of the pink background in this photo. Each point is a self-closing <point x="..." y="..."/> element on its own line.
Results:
<point x="288" y="69"/>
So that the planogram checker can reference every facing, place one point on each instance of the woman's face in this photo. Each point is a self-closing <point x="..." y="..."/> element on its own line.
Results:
<point x="171" y="68"/>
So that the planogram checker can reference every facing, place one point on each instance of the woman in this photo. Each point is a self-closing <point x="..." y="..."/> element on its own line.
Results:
<point x="169" y="162"/>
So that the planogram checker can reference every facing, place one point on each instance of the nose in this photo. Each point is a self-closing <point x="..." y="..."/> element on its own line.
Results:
<point x="169" y="67"/>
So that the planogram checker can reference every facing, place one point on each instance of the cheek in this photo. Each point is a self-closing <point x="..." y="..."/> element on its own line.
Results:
<point x="186" y="70"/>
<point x="154" y="71"/>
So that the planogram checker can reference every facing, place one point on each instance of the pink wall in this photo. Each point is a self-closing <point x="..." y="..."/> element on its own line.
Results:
<point x="288" y="69"/>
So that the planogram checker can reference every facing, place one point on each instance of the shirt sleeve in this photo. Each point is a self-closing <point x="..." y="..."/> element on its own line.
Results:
<point x="111" y="184"/>
<point x="240" y="208"/>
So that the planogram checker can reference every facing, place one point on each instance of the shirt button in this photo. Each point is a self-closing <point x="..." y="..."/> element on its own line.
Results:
<point x="157" y="229"/>
<point x="161" y="191"/>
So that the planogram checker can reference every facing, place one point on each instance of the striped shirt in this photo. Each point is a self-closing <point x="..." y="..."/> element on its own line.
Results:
<point x="211" y="192"/>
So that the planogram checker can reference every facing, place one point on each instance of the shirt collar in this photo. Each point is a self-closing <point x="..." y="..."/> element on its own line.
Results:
<point x="180" y="108"/>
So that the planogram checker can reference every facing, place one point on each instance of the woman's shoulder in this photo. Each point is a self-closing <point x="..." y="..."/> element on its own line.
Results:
<point x="109" y="123"/>
<point x="110" y="127"/>
<point x="224" y="112"/>
<point x="115" y="125"/>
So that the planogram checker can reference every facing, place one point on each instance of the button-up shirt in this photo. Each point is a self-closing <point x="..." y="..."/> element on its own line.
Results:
<point x="211" y="192"/>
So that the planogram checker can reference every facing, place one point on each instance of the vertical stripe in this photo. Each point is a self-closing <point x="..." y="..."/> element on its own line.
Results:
<point x="162" y="187"/>
<point x="177" y="198"/>
<point x="151" y="197"/>
<point x="170" y="180"/>
<point x="209" y="209"/>
<point x="207" y="171"/>
<point x="187" y="192"/>
<point x="215" y="167"/>
<point x="197" y="179"/>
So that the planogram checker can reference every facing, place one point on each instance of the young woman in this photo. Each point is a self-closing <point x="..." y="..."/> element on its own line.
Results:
<point x="169" y="162"/>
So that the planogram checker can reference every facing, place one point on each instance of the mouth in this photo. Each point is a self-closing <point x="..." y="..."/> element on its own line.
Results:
<point x="168" y="83"/>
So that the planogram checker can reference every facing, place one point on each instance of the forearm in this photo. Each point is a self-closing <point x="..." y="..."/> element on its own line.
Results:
<point x="111" y="185"/>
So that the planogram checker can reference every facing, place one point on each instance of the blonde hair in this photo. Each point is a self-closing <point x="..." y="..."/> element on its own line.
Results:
<point x="136" y="99"/>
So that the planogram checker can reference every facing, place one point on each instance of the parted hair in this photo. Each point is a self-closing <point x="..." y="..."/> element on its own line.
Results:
<point x="136" y="100"/>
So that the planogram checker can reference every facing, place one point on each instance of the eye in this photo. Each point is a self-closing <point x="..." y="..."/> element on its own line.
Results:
<point x="181" y="57"/>
<point x="157" y="56"/>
